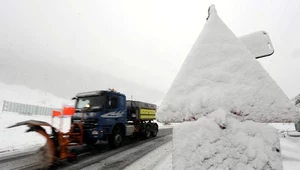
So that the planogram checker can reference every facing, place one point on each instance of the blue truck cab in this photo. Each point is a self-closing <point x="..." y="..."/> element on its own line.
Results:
<point x="107" y="115"/>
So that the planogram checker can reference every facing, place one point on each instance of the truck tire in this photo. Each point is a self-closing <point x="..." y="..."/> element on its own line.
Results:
<point x="147" y="132"/>
<point x="297" y="126"/>
<point x="116" y="138"/>
<point x="87" y="140"/>
<point x="154" y="130"/>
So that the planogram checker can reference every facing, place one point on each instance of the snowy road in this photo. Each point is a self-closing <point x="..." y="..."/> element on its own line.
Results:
<point x="101" y="159"/>
<point x="160" y="158"/>
<point x="124" y="156"/>
<point x="26" y="160"/>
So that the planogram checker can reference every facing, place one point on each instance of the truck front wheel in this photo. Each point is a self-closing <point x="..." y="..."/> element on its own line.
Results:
<point x="116" y="138"/>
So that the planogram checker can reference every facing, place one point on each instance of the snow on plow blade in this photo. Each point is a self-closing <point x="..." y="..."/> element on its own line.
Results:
<point x="48" y="151"/>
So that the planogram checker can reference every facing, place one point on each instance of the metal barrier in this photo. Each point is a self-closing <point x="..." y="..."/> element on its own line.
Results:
<point x="27" y="109"/>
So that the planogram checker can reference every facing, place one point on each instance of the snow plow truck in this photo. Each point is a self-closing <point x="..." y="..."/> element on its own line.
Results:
<point x="103" y="115"/>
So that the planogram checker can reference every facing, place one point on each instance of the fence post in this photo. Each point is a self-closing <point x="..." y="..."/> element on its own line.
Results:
<point x="3" y="105"/>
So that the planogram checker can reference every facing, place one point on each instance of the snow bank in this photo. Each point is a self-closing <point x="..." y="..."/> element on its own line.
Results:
<point x="290" y="153"/>
<point x="23" y="94"/>
<point x="289" y="145"/>
<point x="163" y="126"/>
<point x="10" y="138"/>
<point x="222" y="141"/>
<point x="220" y="72"/>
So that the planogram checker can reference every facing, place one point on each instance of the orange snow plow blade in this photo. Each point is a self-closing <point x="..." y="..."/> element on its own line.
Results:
<point x="49" y="149"/>
<point x="31" y="123"/>
<point x="56" y="147"/>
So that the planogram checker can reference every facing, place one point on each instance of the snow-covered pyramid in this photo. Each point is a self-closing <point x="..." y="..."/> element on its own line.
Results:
<point x="221" y="73"/>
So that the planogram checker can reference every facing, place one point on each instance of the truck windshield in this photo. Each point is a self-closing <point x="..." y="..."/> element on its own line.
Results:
<point x="95" y="102"/>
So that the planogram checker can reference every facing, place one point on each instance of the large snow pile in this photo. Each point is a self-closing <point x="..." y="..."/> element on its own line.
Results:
<point x="223" y="141"/>
<point x="221" y="73"/>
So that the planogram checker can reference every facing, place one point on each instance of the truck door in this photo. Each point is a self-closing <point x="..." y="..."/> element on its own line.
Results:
<point x="113" y="103"/>
<point x="117" y="103"/>
<point x="116" y="110"/>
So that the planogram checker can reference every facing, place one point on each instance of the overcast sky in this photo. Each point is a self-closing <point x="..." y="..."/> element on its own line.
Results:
<point x="147" y="41"/>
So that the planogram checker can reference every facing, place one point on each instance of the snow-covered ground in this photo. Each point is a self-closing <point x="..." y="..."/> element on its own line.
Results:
<point x="15" y="139"/>
<point x="23" y="94"/>
<point x="290" y="146"/>
<point x="222" y="141"/>
<point x="162" y="125"/>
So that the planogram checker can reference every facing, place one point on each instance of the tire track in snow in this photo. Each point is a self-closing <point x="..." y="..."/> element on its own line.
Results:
<point x="157" y="159"/>
<point x="90" y="159"/>
<point x="34" y="160"/>
<point x="29" y="160"/>
<point x="127" y="157"/>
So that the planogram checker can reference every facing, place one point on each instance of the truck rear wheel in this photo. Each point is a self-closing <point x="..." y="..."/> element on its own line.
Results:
<point x="116" y="138"/>
<point x="297" y="126"/>
<point x="147" y="132"/>
<point x="154" y="130"/>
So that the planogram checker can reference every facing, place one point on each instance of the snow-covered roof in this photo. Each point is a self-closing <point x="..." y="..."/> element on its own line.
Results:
<point x="221" y="73"/>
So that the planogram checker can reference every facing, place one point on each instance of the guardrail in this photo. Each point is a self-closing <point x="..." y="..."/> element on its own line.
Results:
<point x="27" y="109"/>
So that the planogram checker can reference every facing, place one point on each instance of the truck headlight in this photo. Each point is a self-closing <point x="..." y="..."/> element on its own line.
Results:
<point x="95" y="132"/>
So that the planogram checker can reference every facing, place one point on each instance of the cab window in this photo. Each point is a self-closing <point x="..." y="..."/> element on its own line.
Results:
<point x="114" y="102"/>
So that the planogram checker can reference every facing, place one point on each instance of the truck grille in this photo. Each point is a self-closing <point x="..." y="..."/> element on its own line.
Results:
<point x="90" y="123"/>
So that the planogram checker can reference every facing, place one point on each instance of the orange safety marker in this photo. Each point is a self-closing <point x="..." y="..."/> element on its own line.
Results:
<point x="56" y="113"/>
<point x="68" y="110"/>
